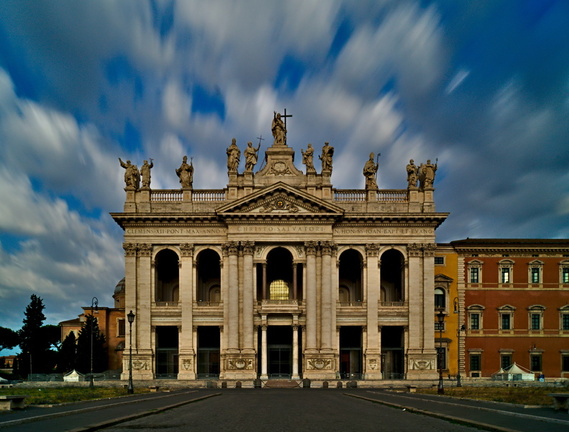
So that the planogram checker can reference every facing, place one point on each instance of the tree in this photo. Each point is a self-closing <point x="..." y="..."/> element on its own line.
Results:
<point x="8" y="338"/>
<point x="99" y="353"/>
<point x="67" y="358"/>
<point x="35" y="341"/>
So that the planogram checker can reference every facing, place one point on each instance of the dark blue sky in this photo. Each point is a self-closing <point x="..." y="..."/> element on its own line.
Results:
<point x="483" y="86"/>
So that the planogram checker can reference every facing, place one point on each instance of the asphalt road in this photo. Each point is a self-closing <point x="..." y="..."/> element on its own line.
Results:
<point x="277" y="410"/>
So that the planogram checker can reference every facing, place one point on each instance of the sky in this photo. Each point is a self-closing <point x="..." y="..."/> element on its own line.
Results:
<point x="480" y="86"/>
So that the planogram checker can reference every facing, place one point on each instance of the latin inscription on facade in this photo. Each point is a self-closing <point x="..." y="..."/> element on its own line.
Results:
<point x="383" y="231"/>
<point x="175" y="231"/>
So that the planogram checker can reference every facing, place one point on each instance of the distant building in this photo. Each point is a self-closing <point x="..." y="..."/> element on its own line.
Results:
<point x="516" y="305"/>
<point x="111" y="323"/>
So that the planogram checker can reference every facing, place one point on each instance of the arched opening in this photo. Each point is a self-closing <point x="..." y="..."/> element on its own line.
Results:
<point x="392" y="276"/>
<point x="350" y="277"/>
<point x="208" y="279"/>
<point x="277" y="280"/>
<point x="167" y="276"/>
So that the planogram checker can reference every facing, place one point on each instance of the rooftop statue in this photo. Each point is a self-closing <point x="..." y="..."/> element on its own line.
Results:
<point x="307" y="158"/>
<point x="131" y="175"/>
<point x="370" y="171"/>
<point x="427" y="174"/>
<point x="145" y="173"/>
<point x="233" y="156"/>
<point x="278" y="128"/>
<point x="412" y="174"/>
<point x="186" y="173"/>
<point x="251" y="156"/>
<point x="326" y="157"/>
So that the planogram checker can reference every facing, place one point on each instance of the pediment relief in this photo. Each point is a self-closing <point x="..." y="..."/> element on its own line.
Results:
<point x="280" y="198"/>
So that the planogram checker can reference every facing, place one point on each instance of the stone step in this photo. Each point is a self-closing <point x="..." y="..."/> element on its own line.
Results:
<point x="282" y="383"/>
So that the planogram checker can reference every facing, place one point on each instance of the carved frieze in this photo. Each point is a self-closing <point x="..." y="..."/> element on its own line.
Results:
<point x="240" y="364"/>
<point x="421" y="364"/>
<point x="318" y="364"/>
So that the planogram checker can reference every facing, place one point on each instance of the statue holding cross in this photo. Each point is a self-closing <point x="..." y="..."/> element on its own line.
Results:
<point x="279" y="127"/>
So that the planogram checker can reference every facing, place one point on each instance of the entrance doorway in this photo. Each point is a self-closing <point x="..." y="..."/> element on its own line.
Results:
<point x="279" y="351"/>
<point x="351" y="352"/>
<point x="166" y="352"/>
<point x="393" y="362"/>
<point x="208" y="352"/>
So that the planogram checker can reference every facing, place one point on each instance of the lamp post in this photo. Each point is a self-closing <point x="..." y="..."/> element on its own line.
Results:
<point x="441" y="321"/>
<point x="130" y="317"/>
<point x="95" y="306"/>
<point x="459" y="330"/>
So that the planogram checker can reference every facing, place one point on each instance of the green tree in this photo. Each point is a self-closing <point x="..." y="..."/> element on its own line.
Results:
<point x="85" y="344"/>
<point x="67" y="358"/>
<point x="8" y="338"/>
<point x="35" y="341"/>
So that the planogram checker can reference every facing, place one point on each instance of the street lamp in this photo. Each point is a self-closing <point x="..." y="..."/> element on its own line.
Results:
<point x="130" y="317"/>
<point x="459" y="330"/>
<point x="94" y="305"/>
<point x="441" y="321"/>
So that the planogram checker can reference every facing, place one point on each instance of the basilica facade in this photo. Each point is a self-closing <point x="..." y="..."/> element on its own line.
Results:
<point x="279" y="274"/>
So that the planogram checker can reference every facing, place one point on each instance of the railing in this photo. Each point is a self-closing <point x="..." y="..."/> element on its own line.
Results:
<point x="392" y="195"/>
<point x="166" y="303"/>
<point x="208" y="303"/>
<point x="351" y="303"/>
<point x="166" y="195"/>
<point x="360" y="195"/>
<point x="349" y="195"/>
<point x="208" y="195"/>
<point x="393" y="303"/>
<point x="279" y="302"/>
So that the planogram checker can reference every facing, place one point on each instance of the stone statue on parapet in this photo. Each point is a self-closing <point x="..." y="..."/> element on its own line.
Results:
<point x="411" y="174"/>
<point x="307" y="159"/>
<point x="370" y="172"/>
<point x="326" y="157"/>
<point x="233" y="156"/>
<point x="251" y="156"/>
<point x="131" y="175"/>
<point x="186" y="173"/>
<point x="278" y="129"/>
<point x="427" y="174"/>
<point x="145" y="173"/>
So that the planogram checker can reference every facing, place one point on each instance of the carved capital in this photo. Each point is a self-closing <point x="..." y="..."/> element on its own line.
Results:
<point x="129" y="249"/>
<point x="144" y="249"/>
<point x="430" y="249"/>
<point x="231" y="248"/>
<point x="248" y="247"/>
<point x="372" y="249"/>
<point x="187" y="249"/>
<point x="414" y="250"/>
<point x="327" y="247"/>
<point x="310" y="247"/>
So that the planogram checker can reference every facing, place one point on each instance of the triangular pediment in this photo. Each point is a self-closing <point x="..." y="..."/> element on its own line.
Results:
<point x="279" y="199"/>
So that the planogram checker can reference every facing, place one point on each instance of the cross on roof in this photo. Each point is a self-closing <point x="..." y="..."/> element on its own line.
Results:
<point x="285" y="115"/>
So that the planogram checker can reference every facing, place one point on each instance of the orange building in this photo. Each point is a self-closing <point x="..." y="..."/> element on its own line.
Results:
<point x="516" y="305"/>
<point x="111" y="323"/>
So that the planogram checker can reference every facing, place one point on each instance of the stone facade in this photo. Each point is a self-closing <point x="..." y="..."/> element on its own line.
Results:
<point x="280" y="275"/>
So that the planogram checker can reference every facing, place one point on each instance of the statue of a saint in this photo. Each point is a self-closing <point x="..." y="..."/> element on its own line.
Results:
<point x="326" y="157"/>
<point x="307" y="158"/>
<point x="186" y="173"/>
<point x="370" y="171"/>
<point x="251" y="156"/>
<point x="233" y="156"/>
<point x="278" y="128"/>
<point x="427" y="174"/>
<point x="412" y="174"/>
<point x="131" y="175"/>
<point x="145" y="173"/>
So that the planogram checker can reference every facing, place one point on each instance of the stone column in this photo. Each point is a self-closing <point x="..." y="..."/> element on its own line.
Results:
<point x="311" y="298"/>
<point x="248" y="288"/>
<point x="264" y="352"/>
<point x="373" y="289"/>
<point x="327" y="325"/>
<point x="186" y="297"/>
<point x="144" y="368"/>
<point x="233" y="286"/>
<point x="294" y="281"/>
<point x="295" y="352"/>
<point x="130" y="252"/>
<point x="421" y="354"/>
<point x="265" y="297"/>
